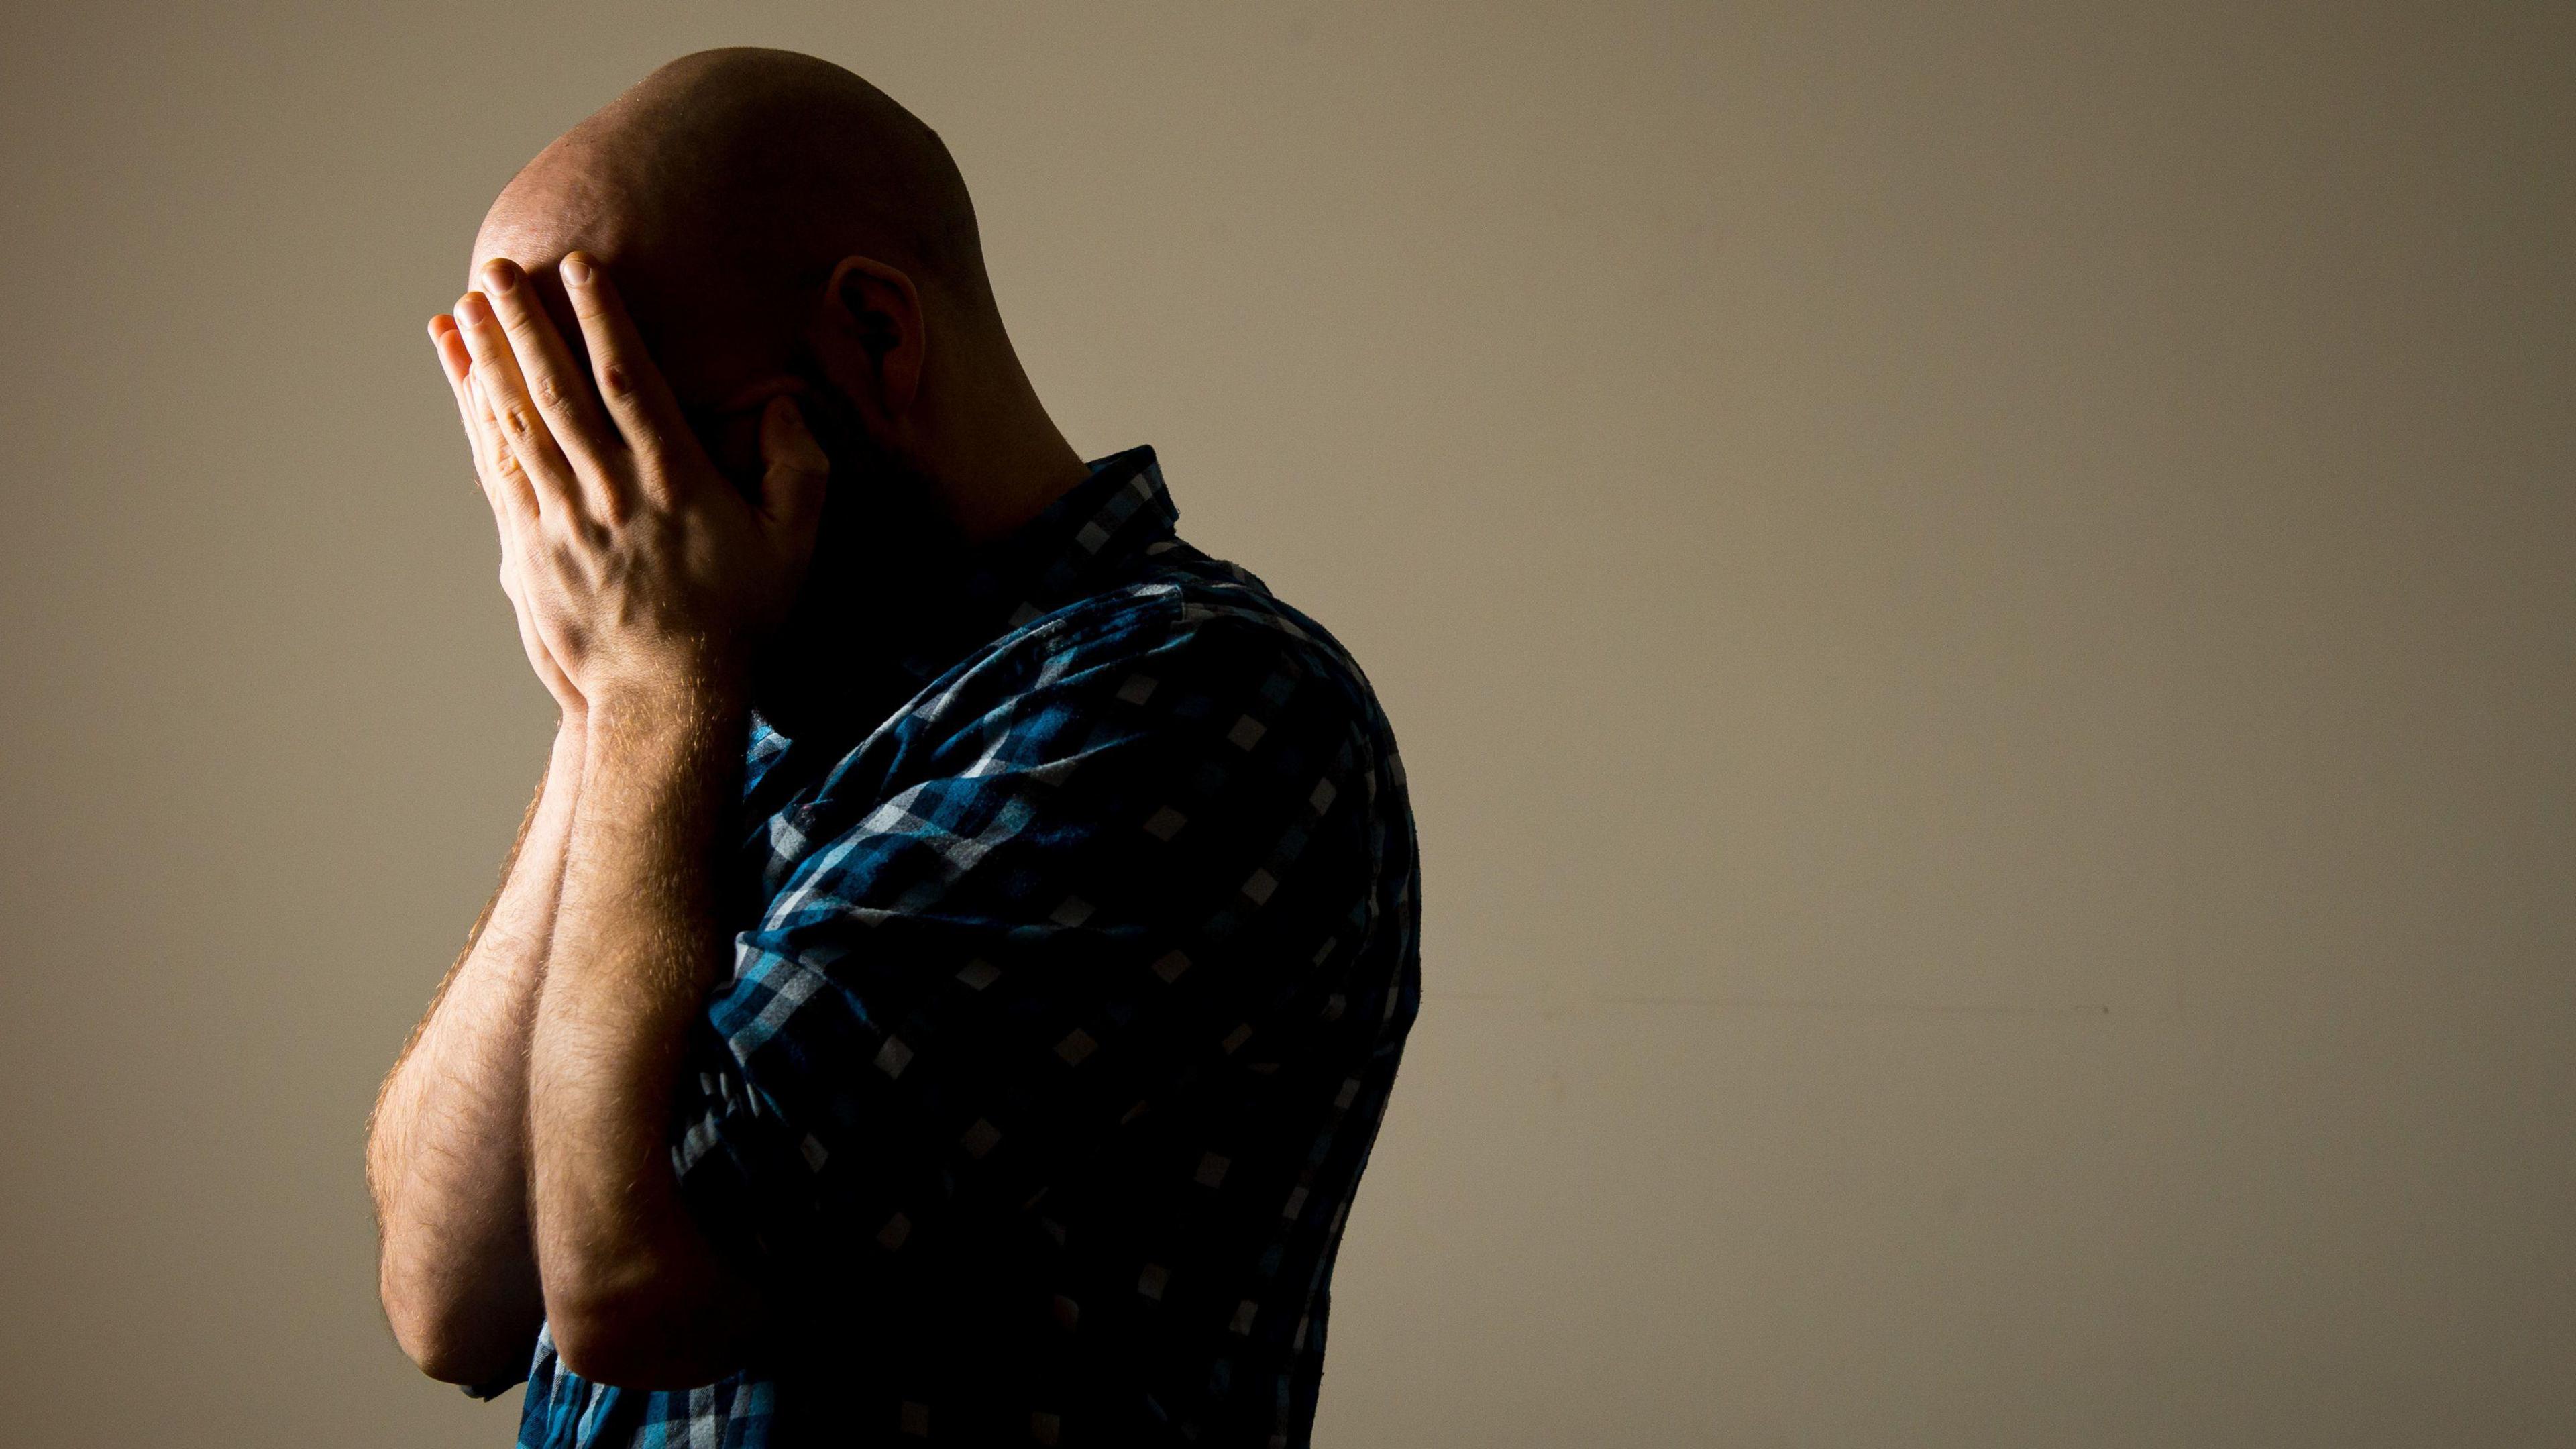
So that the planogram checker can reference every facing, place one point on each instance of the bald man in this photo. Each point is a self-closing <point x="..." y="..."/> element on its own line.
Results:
<point x="949" y="979"/>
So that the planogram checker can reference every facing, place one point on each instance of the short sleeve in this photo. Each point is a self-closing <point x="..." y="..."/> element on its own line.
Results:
<point x="1107" y="873"/>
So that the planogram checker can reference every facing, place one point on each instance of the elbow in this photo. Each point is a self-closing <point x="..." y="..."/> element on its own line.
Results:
<point x="606" y="1346"/>
<point x="455" y="1351"/>
<point x="645" y="1335"/>
<point x="455" y="1335"/>
<point x="630" y="1345"/>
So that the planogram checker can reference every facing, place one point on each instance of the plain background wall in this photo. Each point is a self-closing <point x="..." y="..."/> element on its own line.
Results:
<point x="1979" y="600"/>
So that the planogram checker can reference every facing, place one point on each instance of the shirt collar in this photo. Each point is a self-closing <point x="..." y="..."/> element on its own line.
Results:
<point x="1090" y="533"/>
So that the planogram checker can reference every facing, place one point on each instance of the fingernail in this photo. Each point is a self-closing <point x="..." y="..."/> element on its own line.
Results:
<point x="500" y="275"/>
<point x="576" y="269"/>
<point x="472" y="310"/>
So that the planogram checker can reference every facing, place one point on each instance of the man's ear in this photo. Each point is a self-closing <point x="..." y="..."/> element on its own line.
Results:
<point x="873" y="338"/>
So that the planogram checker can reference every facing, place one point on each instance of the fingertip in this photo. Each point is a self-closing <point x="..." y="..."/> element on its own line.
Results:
<point x="578" y="269"/>
<point x="784" y="421"/>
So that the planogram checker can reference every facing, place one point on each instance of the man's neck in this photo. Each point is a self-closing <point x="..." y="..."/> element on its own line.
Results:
<point x="1004" y="466"/>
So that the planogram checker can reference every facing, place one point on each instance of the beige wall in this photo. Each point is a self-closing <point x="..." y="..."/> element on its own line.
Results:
<point x="1979" y="600"/>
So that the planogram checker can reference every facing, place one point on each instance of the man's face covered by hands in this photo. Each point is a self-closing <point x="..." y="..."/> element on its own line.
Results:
<point x="883" y="547"/>
<point x="778" y="228"/>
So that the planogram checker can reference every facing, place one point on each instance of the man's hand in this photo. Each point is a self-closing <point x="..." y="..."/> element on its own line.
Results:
<point x="640" y="569"/>
<point x="497" y="469"/>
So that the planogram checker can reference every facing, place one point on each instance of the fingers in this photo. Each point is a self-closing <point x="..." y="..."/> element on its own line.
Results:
<point x="516" y="423"/>
<point x="555" y="382"/>
<point x="638" y="398"/>
<point x="791" y="488"/>
<point x="453" y="359"/>
<point x="456" y="363"/>
<point x="504" y="485"/>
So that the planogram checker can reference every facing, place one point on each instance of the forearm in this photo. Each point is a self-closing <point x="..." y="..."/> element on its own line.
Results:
<point x="632" y="1289"/>
<point x="447" y="1150"/>
<point x="646" y="577"/>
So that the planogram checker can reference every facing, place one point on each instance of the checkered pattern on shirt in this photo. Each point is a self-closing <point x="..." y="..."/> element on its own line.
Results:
<point x="1064" y="1013"/>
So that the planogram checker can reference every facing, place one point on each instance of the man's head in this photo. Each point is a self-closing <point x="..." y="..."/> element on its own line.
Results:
<point x="778" y="225"/>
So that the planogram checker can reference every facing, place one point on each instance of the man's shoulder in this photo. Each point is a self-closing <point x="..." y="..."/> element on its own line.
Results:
<point x="1189" y="608"/>
<point x="1179" y="644"/>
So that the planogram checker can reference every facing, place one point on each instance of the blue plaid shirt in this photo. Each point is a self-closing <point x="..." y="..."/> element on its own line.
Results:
<point x="1065" y="1006"/>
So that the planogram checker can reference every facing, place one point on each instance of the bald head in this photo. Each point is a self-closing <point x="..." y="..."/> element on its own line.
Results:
<point x="747" y="174"/>
<point x="784" y="158"/>
<point x="776" y="225"/>
<point x="748" y="166"/>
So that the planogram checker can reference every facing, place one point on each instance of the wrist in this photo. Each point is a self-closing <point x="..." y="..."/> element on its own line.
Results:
<point x="687" y="707"/>
<point x="571" y="746"/>
<point x="678" y="684"/>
